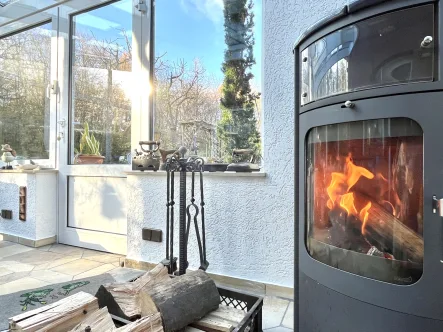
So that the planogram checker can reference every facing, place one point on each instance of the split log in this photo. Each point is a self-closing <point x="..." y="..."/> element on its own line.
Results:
<point x="192" y="329"/>
<point x="122" y="299"/>
<point x="152" y="323"/>
<point x="386" y="232"/>
<point x="62" y="315"/>
<point x="181" y="300"/>
<point x="99" y="321"/>
<point x="224" y="319"/>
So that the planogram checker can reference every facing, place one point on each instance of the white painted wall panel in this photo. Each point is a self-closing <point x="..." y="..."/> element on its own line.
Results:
<point x="46" y="205"/>
<point x="97" y="203"/>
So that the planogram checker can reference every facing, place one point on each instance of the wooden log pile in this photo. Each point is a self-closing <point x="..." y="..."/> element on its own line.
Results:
<point x="154" y="303"/>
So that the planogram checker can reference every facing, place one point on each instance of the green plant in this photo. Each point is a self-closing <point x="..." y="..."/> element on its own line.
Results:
<point x="88" y="143"/>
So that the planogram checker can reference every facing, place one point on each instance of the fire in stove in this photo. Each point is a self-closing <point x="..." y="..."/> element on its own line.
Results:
<point x="365" y="191"/>
<point x="377" y="221"/>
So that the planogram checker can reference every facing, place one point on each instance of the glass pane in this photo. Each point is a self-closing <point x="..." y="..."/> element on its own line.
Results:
<point x="25" y="60"/>
<point x="208" y="76"/>
<point x="101" y="84"/>
<point x="365" y="198"/>
<point x="371" y="53"/>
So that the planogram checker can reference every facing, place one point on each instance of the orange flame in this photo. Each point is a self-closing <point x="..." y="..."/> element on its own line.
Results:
<point x="339" y="188"/>
<point x="364" y="215"/>
<point x="346" y="180"/>
<point x="347" y="203"/>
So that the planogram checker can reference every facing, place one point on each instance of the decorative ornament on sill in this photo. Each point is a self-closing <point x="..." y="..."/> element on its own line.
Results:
<point x="8" y="156"/>
<point x="148" y="159"/>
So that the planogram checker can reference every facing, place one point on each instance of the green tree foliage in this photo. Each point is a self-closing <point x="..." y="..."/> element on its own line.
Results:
<point x="237" y="128"/>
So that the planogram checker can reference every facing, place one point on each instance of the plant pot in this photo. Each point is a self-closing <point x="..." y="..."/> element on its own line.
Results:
<point x="87" y="159"/>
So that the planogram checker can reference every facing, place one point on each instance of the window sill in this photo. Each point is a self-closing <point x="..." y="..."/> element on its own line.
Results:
<point x="210" y="174"/>
<point x="32" y="171"/>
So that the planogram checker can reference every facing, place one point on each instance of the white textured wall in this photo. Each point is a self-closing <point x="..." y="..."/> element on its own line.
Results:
<point x="46" y="205"/>
<point x="9" y="200"/>
<point x="41" y="204"/>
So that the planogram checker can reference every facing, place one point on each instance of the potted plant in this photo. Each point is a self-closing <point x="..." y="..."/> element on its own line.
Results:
<point x="89" y="149"/>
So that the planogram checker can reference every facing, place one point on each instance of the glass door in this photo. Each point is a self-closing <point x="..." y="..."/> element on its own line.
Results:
<point x="28" y="94"/>
<point x="100" y="104"/>
<point x="365" y="198"/>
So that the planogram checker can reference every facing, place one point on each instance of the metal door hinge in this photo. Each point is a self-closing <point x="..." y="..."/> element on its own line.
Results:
<point x="141" y="6"/>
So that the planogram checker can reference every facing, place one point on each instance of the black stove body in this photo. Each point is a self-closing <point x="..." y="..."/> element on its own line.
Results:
<point x="369" y="169"/>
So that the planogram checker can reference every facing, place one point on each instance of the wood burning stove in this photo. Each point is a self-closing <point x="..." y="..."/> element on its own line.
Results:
<point x="369" y="124"/>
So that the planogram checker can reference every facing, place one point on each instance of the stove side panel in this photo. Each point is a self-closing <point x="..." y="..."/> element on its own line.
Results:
<point x="325" y="310"/>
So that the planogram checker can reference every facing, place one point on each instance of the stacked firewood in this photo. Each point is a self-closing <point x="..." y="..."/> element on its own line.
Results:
<point x="155" y="302"/>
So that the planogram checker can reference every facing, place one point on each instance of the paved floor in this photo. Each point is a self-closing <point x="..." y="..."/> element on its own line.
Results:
<point x="23" y="268"/>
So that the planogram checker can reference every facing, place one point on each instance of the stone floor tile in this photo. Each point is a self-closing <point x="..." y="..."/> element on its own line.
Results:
<point x="122" y="274"/>
<point x="13" y="276"/>
<point x="45" y="248"/>
<point x="101" y="257"/>
<point x="57" y="262"/>
<point x="95" y="271"/>
<point x="16" y="266"/>
<point x="274" y="310"/>
<point x="278" y="329"/>
<point x="50" y="276"/>
<point x="288" y="320"/>
<point x="21" y="284"/>
<point x="6" y="244"/>
<point x="76" y="267"/>
<point x="34" y="257"/>
<point x="66" y="250"/>
<point x="13" y="250"/>
<point x="4" y="271"/>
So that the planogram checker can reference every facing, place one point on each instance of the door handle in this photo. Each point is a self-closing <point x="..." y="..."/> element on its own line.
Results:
<point x="62" y="123"/>
<point x="437" y="205"/>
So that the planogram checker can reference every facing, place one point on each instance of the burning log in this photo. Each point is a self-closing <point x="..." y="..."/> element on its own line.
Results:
<point x="381" y="229"/>
<point x="122" y="299"/>
<point x="182" y="300"/>
<point x="389" y="234"/>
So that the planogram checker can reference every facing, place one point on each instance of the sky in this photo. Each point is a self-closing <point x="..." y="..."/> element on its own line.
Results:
<point x="185" y="29"/>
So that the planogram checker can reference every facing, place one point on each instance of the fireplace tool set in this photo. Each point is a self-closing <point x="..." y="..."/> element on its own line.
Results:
<point x="189" y="213"/>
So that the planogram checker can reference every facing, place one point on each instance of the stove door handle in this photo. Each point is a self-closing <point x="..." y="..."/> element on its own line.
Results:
<point x="437" y="205"/>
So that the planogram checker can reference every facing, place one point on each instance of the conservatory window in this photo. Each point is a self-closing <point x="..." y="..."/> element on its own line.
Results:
<point x="25" y="60"/>
<point x="207" y="79"/>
